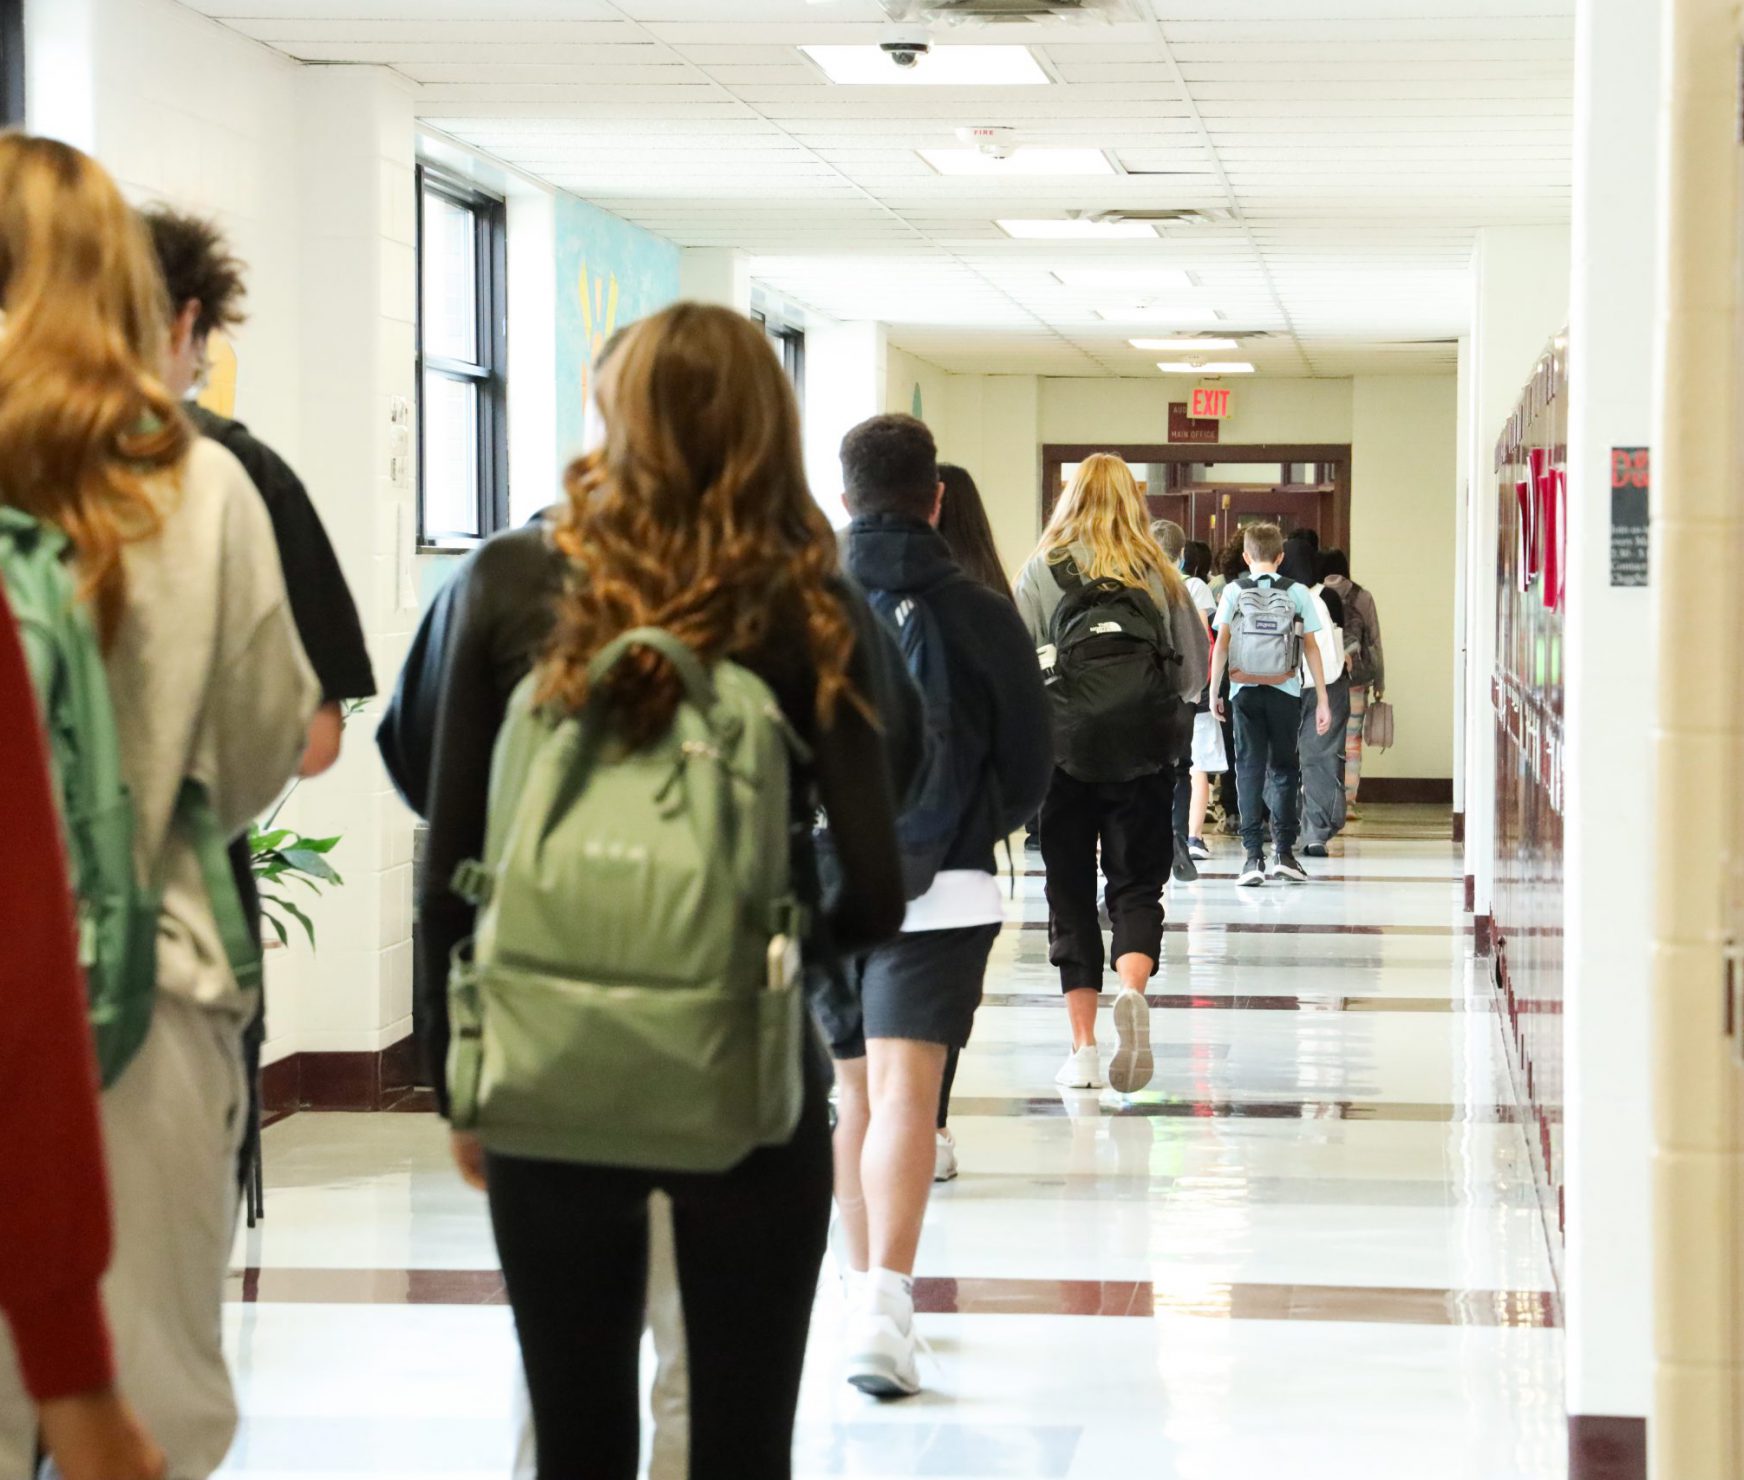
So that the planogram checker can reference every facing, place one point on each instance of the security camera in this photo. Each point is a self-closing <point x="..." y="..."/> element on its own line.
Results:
<point x="906" y="48"/>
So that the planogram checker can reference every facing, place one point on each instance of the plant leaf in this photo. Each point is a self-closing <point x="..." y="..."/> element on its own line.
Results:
<point x="312" y="864"/>
<point x="277" y="924"/>
<point x="318" y="845"/>
<point x="297" y="915"/>
<point x="266" y="842"/>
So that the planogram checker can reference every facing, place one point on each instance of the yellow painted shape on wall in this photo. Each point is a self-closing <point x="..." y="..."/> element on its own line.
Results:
<point x="599" y="318"/>
<point x="219" y="394"/>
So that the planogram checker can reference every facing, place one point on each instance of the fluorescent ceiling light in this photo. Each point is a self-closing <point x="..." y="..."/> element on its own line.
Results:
<point x="1185" y="346"/>
<point x="1160" y="313"/>
<point x="1136" y="279"/>
<point x="1023" y="162"/>
<point x="943" y="66"/>
<point x="1077" y="229"/>
<point x="1216" y="367"/>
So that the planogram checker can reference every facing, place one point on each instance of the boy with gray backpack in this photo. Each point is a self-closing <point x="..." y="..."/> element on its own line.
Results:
<point x="1261" y="622"/>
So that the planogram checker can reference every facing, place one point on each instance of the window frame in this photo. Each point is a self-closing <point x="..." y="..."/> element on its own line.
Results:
<point x="11" y="63"/>
<point x="788" y="341"/>
<point x="489" y="373"/>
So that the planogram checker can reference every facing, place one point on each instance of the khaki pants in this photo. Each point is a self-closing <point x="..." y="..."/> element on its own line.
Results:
<point x="670" y="1399"/>
<point x="172" y="1126"/>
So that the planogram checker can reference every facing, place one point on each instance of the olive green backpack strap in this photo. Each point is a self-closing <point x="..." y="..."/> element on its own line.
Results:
<point x="198" y="824"/>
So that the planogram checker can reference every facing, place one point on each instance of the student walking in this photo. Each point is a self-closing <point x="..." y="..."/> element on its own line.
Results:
<point x="1322" y="751"/>
<point x="211" y="699"/>
<point x="1261" y="623"/>
<point x="1209" y="757"/>
<point x="700" y="579"/>
<point x="987" y="767"/>
<point x="1185" y="869"/>
<point x="1367" y="665"/>
<point x="54" y="1200"/>
<point x="1124" y="653"/>
<point x="964" y="526"/>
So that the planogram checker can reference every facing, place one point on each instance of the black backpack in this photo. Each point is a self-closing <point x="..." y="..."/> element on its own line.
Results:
<point x="1118" y="712"/>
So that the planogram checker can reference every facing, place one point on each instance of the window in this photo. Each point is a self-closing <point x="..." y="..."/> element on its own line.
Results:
<point x="789" y="345"/>
<point x="11" y="62"/>
<point x="463" y="441"/>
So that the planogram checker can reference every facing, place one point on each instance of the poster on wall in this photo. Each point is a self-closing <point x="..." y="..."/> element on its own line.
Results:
<point x="609" y="274"/>
<point x="1631" y="482"/>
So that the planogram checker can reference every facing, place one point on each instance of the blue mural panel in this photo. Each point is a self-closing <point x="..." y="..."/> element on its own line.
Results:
<point x="609" y="273"/>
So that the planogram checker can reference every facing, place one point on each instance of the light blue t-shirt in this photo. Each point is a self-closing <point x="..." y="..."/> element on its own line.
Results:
<point x="1304" y="609"/>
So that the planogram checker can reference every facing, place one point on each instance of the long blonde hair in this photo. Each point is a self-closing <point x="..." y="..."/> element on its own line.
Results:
<point x="1104" y="512"/>
<point x="86" y="426"/>
<point x="695" y="516"/>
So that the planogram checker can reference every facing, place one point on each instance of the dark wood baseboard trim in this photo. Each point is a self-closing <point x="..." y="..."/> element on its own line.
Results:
<point x="380" y="1080"/>
<point x="1384" y="789"/>
<point x="1459" y="827"/>
<point x="1606" y="1448"/>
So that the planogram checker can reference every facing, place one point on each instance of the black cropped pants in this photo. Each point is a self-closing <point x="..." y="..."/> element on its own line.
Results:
<point x="1134" y="823"/>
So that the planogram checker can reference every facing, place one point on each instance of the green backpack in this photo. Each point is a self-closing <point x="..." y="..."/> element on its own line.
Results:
<point x="117" y="912"/>
<point x="632" y="995"/>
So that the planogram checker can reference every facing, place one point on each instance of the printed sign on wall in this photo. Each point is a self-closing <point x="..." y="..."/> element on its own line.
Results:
<point x="1631" y="482"/>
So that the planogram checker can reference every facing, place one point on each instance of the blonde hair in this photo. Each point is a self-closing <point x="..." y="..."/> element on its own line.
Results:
<point x="1104" y="512"/>
<point x="86" y="426"/>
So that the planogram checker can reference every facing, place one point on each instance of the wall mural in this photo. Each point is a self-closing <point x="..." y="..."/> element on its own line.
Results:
<point x="609" y="274"/>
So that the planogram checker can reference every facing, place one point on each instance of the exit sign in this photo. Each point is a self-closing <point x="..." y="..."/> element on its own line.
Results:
<point x="1211" y="404"/>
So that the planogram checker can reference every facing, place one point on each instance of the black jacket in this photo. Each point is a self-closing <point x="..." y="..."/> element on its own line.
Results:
<point x="321" y="603"/>
<point x="996" y="684"/>
<point x="478" y="641"/>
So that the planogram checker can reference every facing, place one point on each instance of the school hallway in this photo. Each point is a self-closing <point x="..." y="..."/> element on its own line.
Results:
<point x="1312" y="1247"/>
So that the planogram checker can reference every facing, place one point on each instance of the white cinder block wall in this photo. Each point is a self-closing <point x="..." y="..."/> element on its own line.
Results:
<point x="309" y="171"/>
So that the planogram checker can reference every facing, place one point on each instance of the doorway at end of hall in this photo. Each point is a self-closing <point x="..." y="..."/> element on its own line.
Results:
<point x="1213" y="491"/>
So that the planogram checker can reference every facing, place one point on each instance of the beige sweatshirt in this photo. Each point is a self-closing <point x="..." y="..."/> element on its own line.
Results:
<point x="209" y="681"/>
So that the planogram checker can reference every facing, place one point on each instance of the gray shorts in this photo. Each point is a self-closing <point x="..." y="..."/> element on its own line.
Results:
<point x="923" y="986"/>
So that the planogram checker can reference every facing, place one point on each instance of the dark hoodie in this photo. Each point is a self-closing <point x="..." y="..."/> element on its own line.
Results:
<point x="996" y="684"/>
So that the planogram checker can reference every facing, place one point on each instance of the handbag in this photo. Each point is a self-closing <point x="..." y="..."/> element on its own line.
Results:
<point x="1378" y="725"/>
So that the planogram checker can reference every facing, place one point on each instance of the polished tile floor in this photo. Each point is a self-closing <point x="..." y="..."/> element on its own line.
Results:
<point x="1310" y="1249"/>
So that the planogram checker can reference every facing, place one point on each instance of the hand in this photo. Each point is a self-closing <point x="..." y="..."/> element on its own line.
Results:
<point x="96" y="1436"/>
<point x="1322" y="716"/>
<point x="326" y="734"/>
<point x="468" y="1153"/>
<point x="1219" y="708"/>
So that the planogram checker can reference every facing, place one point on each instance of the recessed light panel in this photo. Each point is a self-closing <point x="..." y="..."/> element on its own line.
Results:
<point x="1128" y="279"/>
<point x="1078" y="229"/>
<point x="1186" y="346"/>
<point x="943" y="66"/>
<point x="1216" y="367"/>
<point x="1023" y="162"/>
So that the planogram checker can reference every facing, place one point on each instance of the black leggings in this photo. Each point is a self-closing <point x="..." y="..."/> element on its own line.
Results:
<point x="574" y="1247"/>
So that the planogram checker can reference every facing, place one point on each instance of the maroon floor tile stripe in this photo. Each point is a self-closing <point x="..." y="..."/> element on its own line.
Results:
<point x="977" y="1297"/>
<point x="1285" y="927"/>
<point x="1213" y="1002"/>
<point x="1089" y="1105"/>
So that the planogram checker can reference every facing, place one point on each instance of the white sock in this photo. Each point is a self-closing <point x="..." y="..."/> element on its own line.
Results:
<point x="890" y="1293"/>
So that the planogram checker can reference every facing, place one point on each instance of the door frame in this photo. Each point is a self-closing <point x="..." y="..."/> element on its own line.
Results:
<point x="1334" y="455"/>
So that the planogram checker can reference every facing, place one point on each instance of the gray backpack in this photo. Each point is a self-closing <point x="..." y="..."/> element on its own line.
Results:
<point x="1265" y="633"/>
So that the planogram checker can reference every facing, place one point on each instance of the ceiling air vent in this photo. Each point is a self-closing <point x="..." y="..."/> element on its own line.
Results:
<point x="989" y="12"/>
<point x="1163" y="218"/>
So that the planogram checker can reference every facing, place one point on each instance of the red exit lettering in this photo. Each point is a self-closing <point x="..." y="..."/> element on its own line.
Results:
<point x="1211" y="404"/>
<point x="1631" y="467"/>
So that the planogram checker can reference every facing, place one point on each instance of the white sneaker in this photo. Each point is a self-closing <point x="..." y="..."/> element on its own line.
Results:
<point x="1131" y="1067"/>
<point x="882" y="1357"/>
<point x="945" y="1158"/>
<point x="1082" y="1070"/>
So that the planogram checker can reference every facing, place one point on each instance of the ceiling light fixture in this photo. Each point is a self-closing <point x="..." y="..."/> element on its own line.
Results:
<point x="1186" y="346"/>
<point x="1133" y="279"/>
<point x="1020" y="162"/>
<point x="1077" y="229"/>
<point x="1215" y="367"/>
<point x="943" y="66"/>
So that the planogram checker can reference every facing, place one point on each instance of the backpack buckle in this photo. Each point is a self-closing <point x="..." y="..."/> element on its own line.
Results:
<point x="473" y="882"/>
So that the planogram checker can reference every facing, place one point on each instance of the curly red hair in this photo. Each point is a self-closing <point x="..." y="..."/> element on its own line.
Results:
<point x="695" y="516"/>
